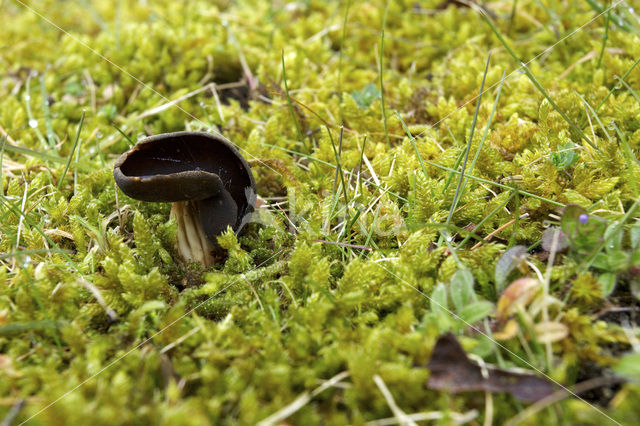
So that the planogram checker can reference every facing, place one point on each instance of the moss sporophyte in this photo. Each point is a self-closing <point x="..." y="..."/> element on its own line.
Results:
<point x="208" y="181"/>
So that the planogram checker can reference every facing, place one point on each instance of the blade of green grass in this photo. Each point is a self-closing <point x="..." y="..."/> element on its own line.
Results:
<point x="339" y="155"/>
<point x="75" y="171"/>
<point x="430" y="163"/>
<point x="450" y="177"/>
<point x="619" y="21"/>
<point x="325" y="163"/>
<point x="413" y="142"/>
<point x="516" y="223"/>
<point x="42" y="156"/>
<point x="606" y="35"/>
<point x="533" y="80"/>
<point x="75" y="144"/>
<point x="347" y="229"/>
<point x="614" y="88"/>
<point x="364" y="143"/>
<point x="512" y="15"/>
<point x="51" y="136"/>
<point x="21" y="327"/>
<point x="342" y="38"/>
<point x="2" y="141"/>
<point x="30" y="252"/>
<point x="458" y="193"/>
<point x="131" y="142"/>
<point x="630" y="89"/>
<point x="286" y="89"/>
<point x="32" y="122"/>
<point x="486" y="129"/>
<point x="339" y="168"/>
<point x="384" y="111"/>
<point x="595" y="115"/>
<point x="369" y="241"/>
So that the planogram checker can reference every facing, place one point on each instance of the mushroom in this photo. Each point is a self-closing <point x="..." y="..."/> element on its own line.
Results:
<point x="209" y="183"/>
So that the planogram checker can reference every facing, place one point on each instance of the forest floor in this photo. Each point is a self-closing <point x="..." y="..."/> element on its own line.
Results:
<point x="448" y="230"/>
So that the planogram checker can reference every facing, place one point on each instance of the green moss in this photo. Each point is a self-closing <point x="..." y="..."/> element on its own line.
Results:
<point x="316" y="285"/>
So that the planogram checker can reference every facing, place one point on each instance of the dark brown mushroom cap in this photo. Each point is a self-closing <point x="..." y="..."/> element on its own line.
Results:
<point x="191" y="166"/>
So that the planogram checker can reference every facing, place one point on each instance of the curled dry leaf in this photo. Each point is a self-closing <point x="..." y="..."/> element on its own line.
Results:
<point x="509" y="331"/>
<point x="453" y="371"/>
<point x="518" y="294"/>
<point x="550" y="331"/>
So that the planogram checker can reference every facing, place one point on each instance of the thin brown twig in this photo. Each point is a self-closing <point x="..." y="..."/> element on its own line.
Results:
<point x="492" y="234"/>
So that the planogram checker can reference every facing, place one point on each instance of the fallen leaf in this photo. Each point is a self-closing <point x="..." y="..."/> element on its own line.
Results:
<point x="453" y="371"/>
<point x="550" y="331"/>
<point x="509" y="331"/>
<point x="518" y="294"/>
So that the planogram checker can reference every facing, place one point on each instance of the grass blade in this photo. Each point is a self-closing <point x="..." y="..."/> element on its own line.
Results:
<point x="533" y="80"/>
<point x="384" y="111"/>
<point x="614" y="88"/>
<point x="605" y="37"/>
<point x="33" y="123"/>
<point x="486" y="129"/>
<point x="51" y="136"/>
<point x="75" y="143"/>
<point x="344" y="34"/>
<point x="458" y="193"/>
<point x="413" y="142"/>
<point x="364" y="143"/>
<point x="286" y="89"/>
<point x="339" y="169"/>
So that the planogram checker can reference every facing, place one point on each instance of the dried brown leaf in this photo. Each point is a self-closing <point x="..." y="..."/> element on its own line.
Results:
<point x="518" y="294"/>
<point x="453" y="371"/>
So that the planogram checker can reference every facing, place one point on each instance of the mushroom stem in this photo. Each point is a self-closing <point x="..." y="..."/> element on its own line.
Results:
<point x="193" y="244"/>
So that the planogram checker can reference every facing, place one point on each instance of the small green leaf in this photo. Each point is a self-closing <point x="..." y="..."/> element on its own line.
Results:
<point x="439" y="299"/>
<point x="629" y="367"/>
<point x="634" y="234"/>
<point x="506" y="264"/>
<point x="476" y="311"/>
<point x="600" y="261"/>
<point x="109" y="111"/>
<point x="461" y="289"/>
<point x="618" y="260"/>
<point x="613" y="236"/>
<point x="74" y="88"/>
<point x="565" y="157"/>
<point x="365" y="97"/>
<point x="607" y="282"/>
